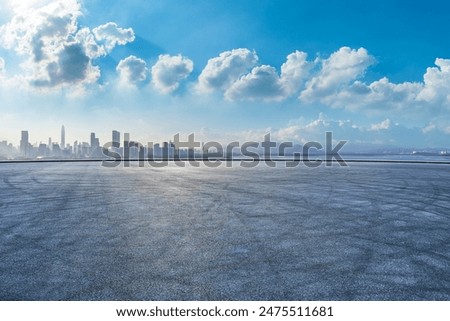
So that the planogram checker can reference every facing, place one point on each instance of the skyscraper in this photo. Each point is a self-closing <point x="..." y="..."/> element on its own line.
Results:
<point x="24" y="143"/>
<point x="115" y="138"/>
<point x="63" y="137"/>
<point x="94" y="141"/>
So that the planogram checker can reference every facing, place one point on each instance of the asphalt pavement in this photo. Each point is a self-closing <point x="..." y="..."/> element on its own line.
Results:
<point x="79" y="231"/>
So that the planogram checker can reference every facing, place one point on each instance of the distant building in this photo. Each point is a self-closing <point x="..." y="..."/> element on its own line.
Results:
<point x="56" y="150"/>
<point x="165" y="150"/>
<point x="95" y="150"/>
<point x="83" y="150"/>
<point x="63" y="137"/>
<point x="94" y="142"/>
<point x="168" y="149"/>
<point x="75" y="148"/>
<point x="157" y="151"/>
<point x="43" y="150"/>
<point x="115" y="138"/>
<point x="24" y="143"/>
<point x="6" y="150"/>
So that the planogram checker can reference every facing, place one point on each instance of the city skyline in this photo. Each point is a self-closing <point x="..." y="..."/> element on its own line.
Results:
<point x="187" y="147"/>
<point x="79" y="149"/>
<point x="295" y="70"/>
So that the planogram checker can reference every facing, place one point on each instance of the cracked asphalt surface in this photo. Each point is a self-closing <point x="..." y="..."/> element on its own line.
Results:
<point x="79" y="231"/>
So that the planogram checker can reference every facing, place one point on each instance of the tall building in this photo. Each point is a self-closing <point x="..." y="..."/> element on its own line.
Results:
<point x="126" y="140"/>
<point x="165" y="150"/>
<point x="63" y="137"/>
<point x="115" y="138"/>
<point x="24" y="143"/>
<point x="126" y="145"/>
<point x="75" y="148"/>
<point x="94" y="141"/>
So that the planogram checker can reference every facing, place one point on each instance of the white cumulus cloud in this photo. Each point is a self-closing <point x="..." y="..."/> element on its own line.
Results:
<point x="437" y="83"/>
<point x="92" y="48"/>
<point x="37" y="32"/>
<point x="262" y="82"/>
<point x="69" y="65"/>
<point x="111" y="35"/>
<point x="169" y="71"/>
<point x="431" y="94"/>
<point x="237" y="74"/>
<point x="337" y="85"/>
<point x="220" y="72"/>
<point x="339" y="70"/>
<point x="132" y="70"/>
<point x="380" y="95"/>
<point x="45" y="36"/>
<point x="294" y="72"/>
<point x="55" y="51"/>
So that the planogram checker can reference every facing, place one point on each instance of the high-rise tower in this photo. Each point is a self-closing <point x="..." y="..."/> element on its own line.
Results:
<point x="95" y="143"/>
<point x="63" y="137"/>
<point x="24" y="143"/>
<point x="116" y="138"/>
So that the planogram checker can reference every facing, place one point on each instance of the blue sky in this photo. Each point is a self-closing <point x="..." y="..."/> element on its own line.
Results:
<point x="376" y="73"/>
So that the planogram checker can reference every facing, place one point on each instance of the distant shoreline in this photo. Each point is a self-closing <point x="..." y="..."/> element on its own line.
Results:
<point x="236" y="159"/>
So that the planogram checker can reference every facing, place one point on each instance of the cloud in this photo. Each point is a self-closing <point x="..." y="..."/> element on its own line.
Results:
<point x="264" y="83"/>
<point x="46" y="37"/>
<point x="302" y="131"/>
<point x="169" y="71"/>
<point x="220" y="72"/>
<point x="432" y="94"/>
<point x="360" y="137"/>
<point x="384" y="93"/>
<point x="2" y="66"/>
<point x="38" y="31"/>
<point x="22" y="6"/>
<point x="92" y="48"/>
<point x="337" y="85"/>
<point x="111" y="35"/>
<point x="294" y="71"/>
<point x="54" y="50"/>
<point x="132" y="70"/>
<point x="380" y="95"/>
<point x="429" y="128"/>
<point x="337" y="71"/>
<point x="71" y="66"/>
<point x="436" y="88"/>
<point x="385" y="124"/>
